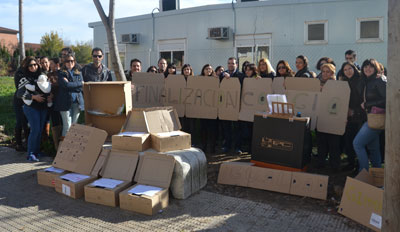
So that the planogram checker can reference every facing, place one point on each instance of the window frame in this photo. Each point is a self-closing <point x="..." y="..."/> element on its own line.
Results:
<point x="369" y="40"/>
<point x="310" y="42"/>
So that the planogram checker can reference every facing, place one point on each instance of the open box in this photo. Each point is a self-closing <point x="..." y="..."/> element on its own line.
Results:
<point x="362" y="201"/>
<point x="155" y="172"/>
<point x="107" y="104"/>
<point x="134" y="135"/>
<point x="47" y="176"/>
<point x="117" y="175"/>
<point x="164" y="127"/>
<point x="71" y="184"/>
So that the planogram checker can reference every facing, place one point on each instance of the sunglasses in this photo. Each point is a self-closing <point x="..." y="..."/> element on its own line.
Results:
<point x="97" y="56"/>
<point x="31" y="65"/>
<point x="69" y="61"/>
<point x="281" y="67"/>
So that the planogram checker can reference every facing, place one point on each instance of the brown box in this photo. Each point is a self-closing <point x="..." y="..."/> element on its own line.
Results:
<point x="107" y="104"/>
<point x="98" y="167"/>
<point x="144" y="204"/>
<point x="47" y="176"/>
<point x="71" y="188"/>
<point x="362" y="201"/>
<point x="134" y="135"/>
<point x="120" y="167"/>
<point x="80" y="149"/>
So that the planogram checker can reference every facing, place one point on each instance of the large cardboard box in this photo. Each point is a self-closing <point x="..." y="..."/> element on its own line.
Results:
<point x="163" y="125"/>
<point x="98" y="167"/>
<point x="362" y="201"/>
<point x="47" y="176"/>
<point x="156" y="171"/>
<point x="72" y="184"/>
<point x="107" y="104"/>
<point x="117" y="175"/>
<point x="280" y="140"/>
<point x="80" y="149"/>
<point x="134" y="135"/>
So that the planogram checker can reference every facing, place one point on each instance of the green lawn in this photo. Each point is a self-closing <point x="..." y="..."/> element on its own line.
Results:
<point x="7" y="116"/>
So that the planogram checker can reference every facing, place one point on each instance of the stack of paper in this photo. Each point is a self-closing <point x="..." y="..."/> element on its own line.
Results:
<point x="107" y="183"/>
<point x="145" y="190"/>
<point x="74" y="177"/>
<point x="53" y="169"/>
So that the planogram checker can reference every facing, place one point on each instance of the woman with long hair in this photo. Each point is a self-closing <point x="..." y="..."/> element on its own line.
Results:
<point x="265" y="68"/>
<point x="283" y="69"/>
<point x="374" y="92"/>
<point x="302" y="67"/>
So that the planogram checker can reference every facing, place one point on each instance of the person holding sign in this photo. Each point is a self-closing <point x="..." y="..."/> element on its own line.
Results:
<point x="328" y="143"/>
<point x="374" y="102"/>
<point x="136" y="66"/>
<point x="283" y="69"/>
<point x="302" y="67"/>
<point x="188" y="124"/>
<point x="171" y="69"/>
<point x="265" y="69"/>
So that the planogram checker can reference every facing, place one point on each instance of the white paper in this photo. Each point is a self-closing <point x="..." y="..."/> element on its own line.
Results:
<point x="145" y="190"/>
<point x="74" y="177"/>
<point x="131" y="134"/>
<point x="171" y="134"/>
<point x="53" y="169"/>
<point x="275" y="98"/>
<point x="66" y="190"/>
<point x="107" y="183"/>
<point x="376" y="220"/>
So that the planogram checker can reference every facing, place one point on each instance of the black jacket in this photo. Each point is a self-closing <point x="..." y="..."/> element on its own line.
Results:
<point x="356" y="85"/>
<point x="375" y="92"/>
<point x="305" y="72"/>
<point x="89" y="73"/>
<point x="66" y="90"/>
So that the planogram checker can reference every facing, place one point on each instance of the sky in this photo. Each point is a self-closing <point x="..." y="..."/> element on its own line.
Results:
<point x="70" y="18"/>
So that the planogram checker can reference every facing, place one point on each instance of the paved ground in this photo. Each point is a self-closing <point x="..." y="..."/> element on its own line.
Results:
<point x="27" y="206"/>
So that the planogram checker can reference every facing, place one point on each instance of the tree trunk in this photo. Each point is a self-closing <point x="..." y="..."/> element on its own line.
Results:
<point x="391" y="199"/>
<point x="109" y="24"/>
<point x="21" y="32"/>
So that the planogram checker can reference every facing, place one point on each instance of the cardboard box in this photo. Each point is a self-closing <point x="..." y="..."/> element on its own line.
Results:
<point x="147" y="175"/>
<point x="163" y="125"/>
<point x="72" y="187"/>
<point x="107" y="104"/>
<point x="80" y="149"/>
<point x="98" y="167"/>
<point x="120" y="167"/>
<point x="362" y="201"/>
<point x="47" y="176"/>
<point x="134" y="135"/>
<point x="295" y="183"/>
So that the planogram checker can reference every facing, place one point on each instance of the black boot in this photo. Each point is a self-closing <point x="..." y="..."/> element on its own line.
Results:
<point x="18" y="139"/>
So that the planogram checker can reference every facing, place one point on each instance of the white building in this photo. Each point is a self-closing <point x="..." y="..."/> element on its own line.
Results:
<point x="277" y="29"/>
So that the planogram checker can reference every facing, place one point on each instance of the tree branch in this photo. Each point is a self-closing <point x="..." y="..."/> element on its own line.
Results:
<point x="103" y="15"/>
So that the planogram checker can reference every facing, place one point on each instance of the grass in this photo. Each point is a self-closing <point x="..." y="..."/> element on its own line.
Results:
<point x="7" y="115"/>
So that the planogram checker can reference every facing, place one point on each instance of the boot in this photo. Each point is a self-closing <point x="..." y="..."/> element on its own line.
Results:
<point x="18" y="139"/>
<point x="56" y="132"/>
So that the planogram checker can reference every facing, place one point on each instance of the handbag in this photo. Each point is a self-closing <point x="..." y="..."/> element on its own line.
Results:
<point x="376" y="118"/>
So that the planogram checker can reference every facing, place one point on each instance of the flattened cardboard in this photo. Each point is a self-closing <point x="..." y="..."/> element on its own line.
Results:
<point x="229" y="99"/>
<point x="305" y="102"/>
<point x="162" y="119"/>
<point x="201" y="97"/>
<point x="148" y="89"/>
<point x="270" y="179"/>
<point x="156" y="170"/>
<point x="175" y="86"/>
<point x="110" y="98"/>
<point x="254" y="97"/>
<point x="234" y="173"/>
<point x="309" y="185"/>
<point x="48" y="178"/>
<point x="303" y="84"/>
<point x="100" y="161"/>
<point x="362" y="202"/>
<point x="278" y="85"/>
<point x="80" y="149"/>
<point x="72" y="189"/>
<point x="333" y="107"/>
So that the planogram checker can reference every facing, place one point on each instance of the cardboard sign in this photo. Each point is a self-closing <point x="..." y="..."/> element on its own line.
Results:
<point x="229" y="99"/>
<point x="201" y="97"/>
<point x="254" y="97"/>
<point x="333" y="107"/>
<point x="174" y="93"/>
<point x="270" y="179"/>
<point x="148" y="89"/>
<point x="234" y="173"/>
<point x="302" y="84"/>
<point x="309" y="185"/>
<point x="278" y="85"/>
<point x="306" y="103"/>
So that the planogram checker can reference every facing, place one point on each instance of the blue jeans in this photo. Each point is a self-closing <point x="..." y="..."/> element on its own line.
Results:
<point x="367" y="138"/>
<point x="36" y="119"/>
<point x="69" y="117"/>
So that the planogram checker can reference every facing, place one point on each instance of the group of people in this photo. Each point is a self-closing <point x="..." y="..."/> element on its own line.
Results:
<point x="63" y="103"/>
<point x="51" y="90"/>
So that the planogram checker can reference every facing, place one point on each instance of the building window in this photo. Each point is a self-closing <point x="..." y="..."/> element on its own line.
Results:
<point x="316" y="32"/>
<point x="173" y="51"/>
<point x="369" y="29"/>
<point x="176" y="57"/>
<point x="252" y="48"/>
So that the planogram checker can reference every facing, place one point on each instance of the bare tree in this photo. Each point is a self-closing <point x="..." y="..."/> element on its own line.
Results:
<point x="109" y="24"/>
<point x="391" y="198"/>
<point x="21" y="32"/>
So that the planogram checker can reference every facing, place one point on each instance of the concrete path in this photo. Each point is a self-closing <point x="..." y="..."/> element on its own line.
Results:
<point x="27" y="206"/>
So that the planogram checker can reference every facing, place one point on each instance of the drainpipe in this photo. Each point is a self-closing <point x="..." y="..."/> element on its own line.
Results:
<point x="234" y="25"/>
<point x="153" y="35"/>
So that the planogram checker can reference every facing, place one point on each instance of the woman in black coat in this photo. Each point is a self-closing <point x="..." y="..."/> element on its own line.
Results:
<point x="302" y="67"/>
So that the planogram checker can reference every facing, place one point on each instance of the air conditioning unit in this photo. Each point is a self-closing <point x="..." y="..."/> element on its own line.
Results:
<point x="130" y="38"/>
<point x="218" y="33"/>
